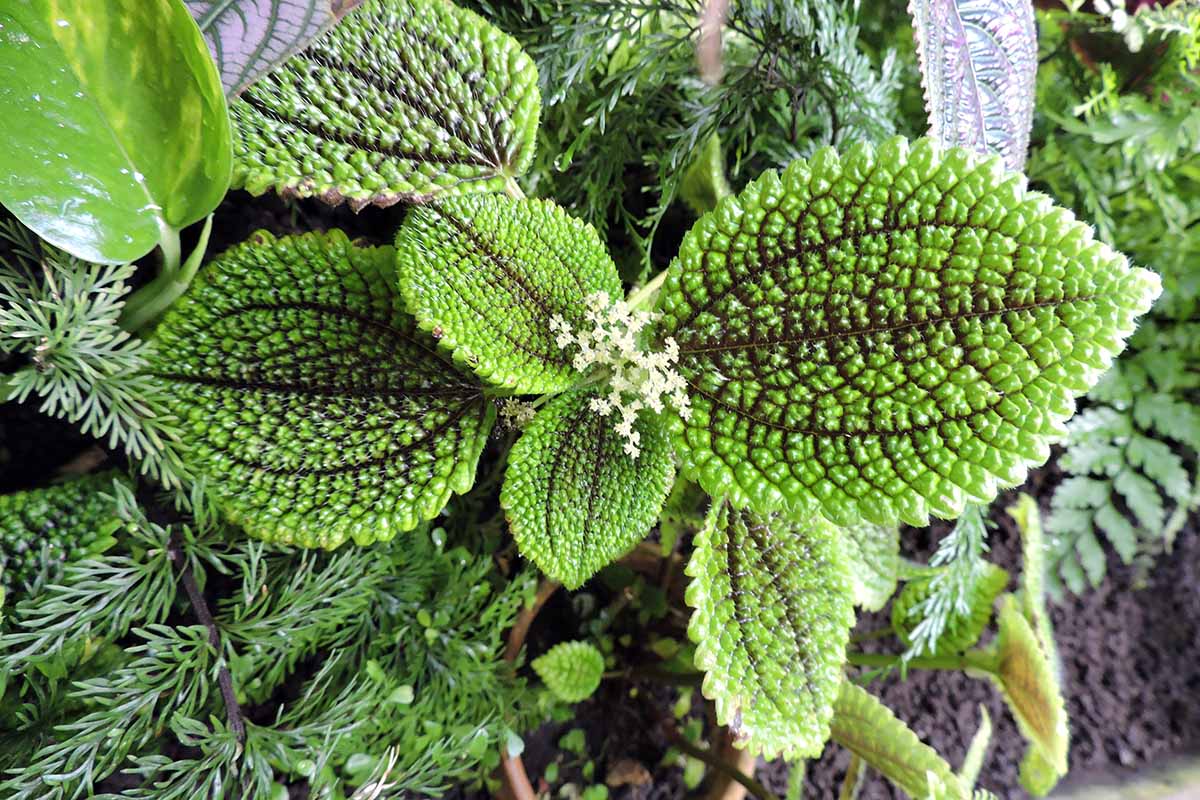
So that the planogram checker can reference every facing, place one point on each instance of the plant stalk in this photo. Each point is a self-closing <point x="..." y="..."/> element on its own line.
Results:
<point x="648" y="293"/>
<point x="708" y="757"/>
<point x="148" y="303"/>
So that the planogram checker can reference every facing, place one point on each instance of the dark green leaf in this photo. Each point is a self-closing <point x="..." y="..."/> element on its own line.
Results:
<point x="486" y="273"/>
<point x="311" y="404"/>
<point x="888" y="334"/>
<point x="575" y="500"/>
<point x="402" y="101"/>
<point x="114" y="123"/>
<point x="772" y="610"/>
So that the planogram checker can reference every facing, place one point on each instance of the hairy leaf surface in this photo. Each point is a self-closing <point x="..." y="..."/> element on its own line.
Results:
<point x="772" y="610"/>
<point x="486" y="274"/>
<point x="873" y="553"/>
<point x="312" y="405"/>
<point x="978" y="68"/>
<point x="1026" y="678"/>
<point x="574" y="499"/>
<point x="888" y="334"/>
<point x="571" y="670"/>
<point x="403" y="100"/>
<point x="249" y="38"/>
<point x="869" y="729"/>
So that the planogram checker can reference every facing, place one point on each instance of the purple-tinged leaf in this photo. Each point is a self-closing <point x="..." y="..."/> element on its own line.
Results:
<point x="249" y="38"/>
<point x="978" y="62"/>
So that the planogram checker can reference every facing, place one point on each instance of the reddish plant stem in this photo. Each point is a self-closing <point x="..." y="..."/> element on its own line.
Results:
<point x="512" y="767"/>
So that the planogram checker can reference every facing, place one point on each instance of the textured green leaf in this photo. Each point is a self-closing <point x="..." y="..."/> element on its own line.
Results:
<point x="888" y="334"/>
<point x="42" y="529"/>
<point x="571" y="670"/>
<point x="311" y="404"/>
<point x="485" y="274"/>
<point x="403" y="100"/>
<point x="772" y="610"/>
<point x="869" y="729"/>
<point x="873" y="553"/>
<point x="574" y="499"/>
<point x="114" y="123"/>
<point x="962" y="629"/>
<point x="1033" y="574"/>
<point x="249" y="38"/>
<point x="1026" y="679"/>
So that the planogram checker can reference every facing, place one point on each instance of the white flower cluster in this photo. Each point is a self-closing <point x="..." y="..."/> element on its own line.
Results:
<point x="515" y="414"/>
<point x="639" y="379"/>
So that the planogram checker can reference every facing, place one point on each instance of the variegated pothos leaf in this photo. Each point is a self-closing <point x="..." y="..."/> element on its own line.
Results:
<point x="249" y="38"/>
<point x="311" y="404"/>
<point x="575" y="500"/>
<point x="772" y="610"/>
<point x="887" y="334"/>
<point x="486" y="273"/>
<point x="978" y="63"/>
<point x="403" y="100"/>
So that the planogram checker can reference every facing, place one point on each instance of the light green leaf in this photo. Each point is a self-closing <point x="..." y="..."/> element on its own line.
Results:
<point x="249" y="38"/>
<point x="977" y="750"/>
<point x="571" y="670"/>
<point x="486" y="273"/>
<point x="312" y="406"/>
<point x="1026" y="678"/>
<point x="869" y="729"/>
<point x="114" y="125"/>
<point x="888" y="334"/>
<point x="1028" y="517"/>
<point x="403" y="100"/>
<point x="575" y="500"/>
<point x="963" y="627"/>
<point x="772" y="611"/>
<point x="873" y="554"/>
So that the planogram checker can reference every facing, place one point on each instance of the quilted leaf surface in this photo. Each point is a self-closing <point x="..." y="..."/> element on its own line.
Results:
<point x="403" y="100"/>
<point x="575" y="500"/>
<point x="486" y="274"/>
<point x="772" y="610"/>
<point x="311" y="404"/>
<point x="888" y="334"/>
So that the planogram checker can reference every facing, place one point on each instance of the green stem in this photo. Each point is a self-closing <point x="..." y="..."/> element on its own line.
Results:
<point x="513" y="189"/>
<point x="646" y="295"/>
<point x="972" y="659"/>
<point x="148" y="303"/>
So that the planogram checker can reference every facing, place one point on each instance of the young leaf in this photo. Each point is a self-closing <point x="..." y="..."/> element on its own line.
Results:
<point x="575" y="500"/>
<point x="107" y="144"/>
<point x="486" y="274"/>
<point x="249" y="38"/>
<point x="772" y="614"/>
<point x="869" y="729"/>
<point x="978" y="67"/>
<point x="313" y="407"/>
<point x="873" y="553"/>
<point x="403" y="100"/>
<point x="1033" y="575"/>
<point x="888" y="334"/>
<point x="963" y="627"/>
<point x="977" y="750"/>
<point x="1027" y="681"/>
<point x="571" y="670"/>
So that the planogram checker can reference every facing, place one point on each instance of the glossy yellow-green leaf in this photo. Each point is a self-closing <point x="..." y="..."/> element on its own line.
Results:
<point x="771" y="614"/>
<point x="486" y="273"/>
<point x="869" y="729"/>
<point x="571" y="670"/>
<point x="1028" y="683"/>
<point x="575" y="500"/>
<point x="114" y="123"/>
<point x="309" y="402"/>
<point x="888" y="333"/>
<point x="873" y="555"/>
<point x="403" y="100"/>
<point x="962" y="629"/>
